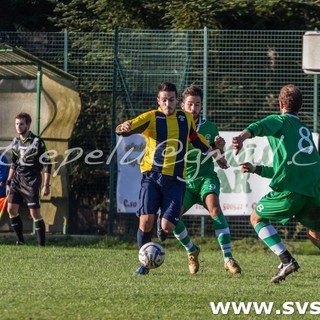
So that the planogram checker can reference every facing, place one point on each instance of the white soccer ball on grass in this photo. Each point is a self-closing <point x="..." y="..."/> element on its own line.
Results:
<point x="151" y="255"/>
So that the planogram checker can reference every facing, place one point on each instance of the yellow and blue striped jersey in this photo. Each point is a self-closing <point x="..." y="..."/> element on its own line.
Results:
<point x="166" y="140"/>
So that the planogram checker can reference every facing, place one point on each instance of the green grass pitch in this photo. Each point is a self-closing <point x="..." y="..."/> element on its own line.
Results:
<point x="95" y="282"/>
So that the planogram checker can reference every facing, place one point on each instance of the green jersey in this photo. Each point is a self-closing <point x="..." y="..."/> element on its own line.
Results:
<point x="296" y="161"/>
<point x="199" y="164"/>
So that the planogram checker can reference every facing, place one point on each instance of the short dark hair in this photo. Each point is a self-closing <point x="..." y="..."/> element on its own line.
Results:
<point x="193" y="91"/>
<point x="25" y="116"/>
<point x="291" y="96"/>
<point x="167" y="86"/>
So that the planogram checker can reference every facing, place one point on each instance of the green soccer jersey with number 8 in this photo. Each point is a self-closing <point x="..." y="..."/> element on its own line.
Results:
<point x="296" y="161"/>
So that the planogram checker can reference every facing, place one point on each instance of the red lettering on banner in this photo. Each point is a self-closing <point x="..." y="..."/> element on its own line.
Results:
<point x="232" y="206"/>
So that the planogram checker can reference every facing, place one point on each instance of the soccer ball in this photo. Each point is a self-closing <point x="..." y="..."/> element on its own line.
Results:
<point x="151" y="255"/>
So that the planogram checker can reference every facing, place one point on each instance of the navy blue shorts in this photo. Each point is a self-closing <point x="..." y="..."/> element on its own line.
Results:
<point x="162" y="192"/>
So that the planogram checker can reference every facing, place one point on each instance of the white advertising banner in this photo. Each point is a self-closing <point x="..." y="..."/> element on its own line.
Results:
<point x="130" y="150"/>
<point x="239" y="191"/>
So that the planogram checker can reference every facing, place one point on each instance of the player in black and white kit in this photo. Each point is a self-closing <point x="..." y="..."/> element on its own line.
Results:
<point x="29" y="158"/>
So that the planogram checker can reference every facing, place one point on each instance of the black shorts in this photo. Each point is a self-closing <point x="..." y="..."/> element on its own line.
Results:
<point x="25" y="189"/>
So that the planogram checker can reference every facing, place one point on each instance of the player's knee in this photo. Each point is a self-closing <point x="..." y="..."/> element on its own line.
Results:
<point x="35" y="213"/>
<point x="12" y="212"/>
<point x="314" y="236"/>
<point x="215" y="211"/>
<point x="254" y="219"/>
<point x="146" y="225"/>
<point x="167" y="226"/>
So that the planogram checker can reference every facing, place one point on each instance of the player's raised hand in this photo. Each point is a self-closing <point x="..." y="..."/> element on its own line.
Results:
<point x="237" y="144"/>
<point x="223" y="163"/>
<point x="219" y="142"/>
<point x="247" y="167"/>
<point x="125" y="126"/>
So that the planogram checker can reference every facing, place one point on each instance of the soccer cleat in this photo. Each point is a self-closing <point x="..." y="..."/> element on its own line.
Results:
<point x="232" y="265"/>
<point x="20" y="243"/>
<point x="141" y="271"/>
<point x="193" y="261"/>
<point x="160" y="233"/>
<point x="285" y="270"/>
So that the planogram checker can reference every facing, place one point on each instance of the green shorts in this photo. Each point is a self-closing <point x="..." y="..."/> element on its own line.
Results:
<point x="197" y="189"/>
<point x="282" y="206"/>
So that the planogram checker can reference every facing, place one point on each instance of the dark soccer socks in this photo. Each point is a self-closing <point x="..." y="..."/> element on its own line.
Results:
<point x="143" y="237"/>
<point x="285" y="257"/>
<point x="17" y="226"/>
<point x="41" y="232"/>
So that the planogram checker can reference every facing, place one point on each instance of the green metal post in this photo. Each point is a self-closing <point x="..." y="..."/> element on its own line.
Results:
<point x="65" y="68"/>
<point x="38" y="108"/>
<point x="205" y="94"/>
<point x="315" y="103"/>
<point x="205" y="72"/>
<point x="113" y="135"/>
<point x="315" y="100"/>
<point x="39" y="85"/>
<point x="65" y="50"/>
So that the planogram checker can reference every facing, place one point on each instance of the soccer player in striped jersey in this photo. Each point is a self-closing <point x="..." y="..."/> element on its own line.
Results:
<point x="202" y="182"/>
<point x="295" y="175"/>
<point x="167" y="132"/>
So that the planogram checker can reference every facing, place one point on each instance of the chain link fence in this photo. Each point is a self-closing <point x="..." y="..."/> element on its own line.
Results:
<point x="240" y="72"/>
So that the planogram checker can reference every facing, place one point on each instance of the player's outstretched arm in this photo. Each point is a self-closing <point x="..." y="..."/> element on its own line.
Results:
<point x="237" y="142"/>
<point x="263" y="171"/>
<point x="219" y="143"/>
<point x="123" y="127"/>
<point x="220" y="158"/>
<point x="247" y="167"/>
<point x="223" y="163"/>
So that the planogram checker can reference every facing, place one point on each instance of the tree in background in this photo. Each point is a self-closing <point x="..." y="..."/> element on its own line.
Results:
<point x="104" y="15"/>
<point x="27" y="15"/>
<point x="243" y="14"/>
<point x="101" y="15"/>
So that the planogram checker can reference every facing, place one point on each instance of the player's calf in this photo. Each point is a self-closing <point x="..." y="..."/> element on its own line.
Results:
<point x="314" y="237"/>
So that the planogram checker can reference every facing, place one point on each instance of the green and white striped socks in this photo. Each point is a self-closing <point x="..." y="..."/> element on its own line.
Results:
<point x="222" y="233"/>
<point x="182" y="235"/>
<point x="269" y="235"/>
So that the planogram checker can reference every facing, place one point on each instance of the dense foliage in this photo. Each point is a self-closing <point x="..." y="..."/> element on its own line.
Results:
<point x="102" y="15"/>
<point x="27" y="15"/>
